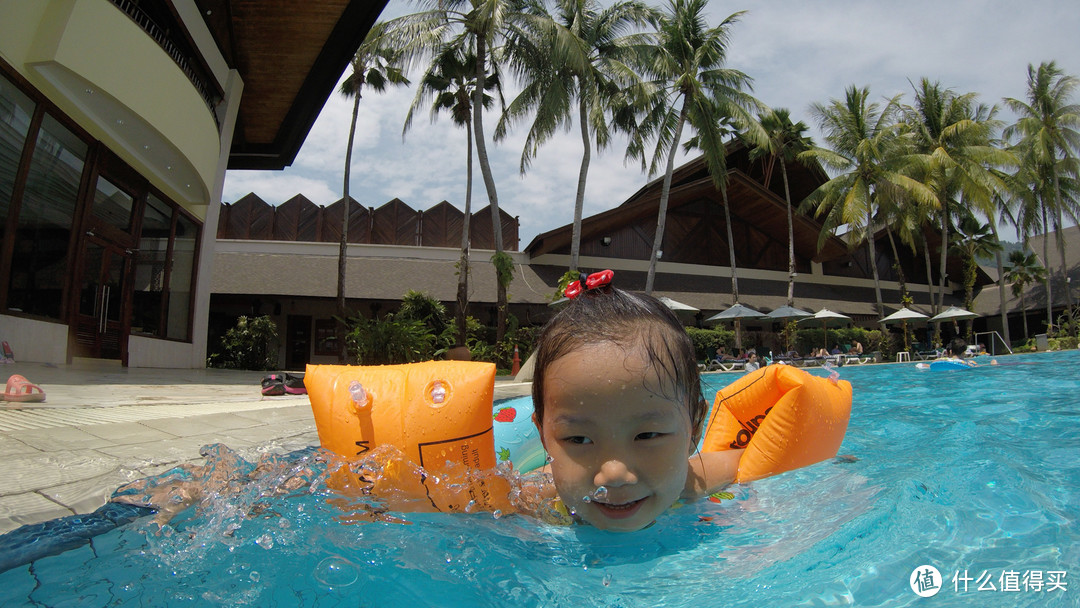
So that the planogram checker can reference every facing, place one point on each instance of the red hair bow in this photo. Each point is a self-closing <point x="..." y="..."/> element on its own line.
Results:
<point x="594" y="280"/>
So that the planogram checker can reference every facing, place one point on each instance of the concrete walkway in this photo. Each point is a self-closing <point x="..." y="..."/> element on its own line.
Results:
<point x="103" y="425"/>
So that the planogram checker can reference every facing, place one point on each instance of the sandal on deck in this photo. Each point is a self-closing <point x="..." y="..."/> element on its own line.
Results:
<point x="294" y="385"/>
<point x="273" y="385"/>
<point x="21" y="389"/>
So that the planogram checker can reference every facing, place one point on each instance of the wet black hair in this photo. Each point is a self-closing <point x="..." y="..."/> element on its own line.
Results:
<point x="958" y="346"/>
<point x="630" y="320"/>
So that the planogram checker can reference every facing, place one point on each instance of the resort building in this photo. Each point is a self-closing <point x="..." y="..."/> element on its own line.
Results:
<point x="118" y="120"/>
<point x="283" y="262"/>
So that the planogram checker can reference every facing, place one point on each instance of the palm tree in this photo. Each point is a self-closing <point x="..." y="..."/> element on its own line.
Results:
<point x="1025" y="271"/>
<point x="575" y="56"/>
<point x="376" y="63"/>
<point x="952" y="135"/>
<point x="1048" y="132"/>
<point x="785" y="141"/>
<point x="449" y="81"/>
<point x="478" y="27"/>
<point x="866" y="148"/>
<point x="685" y="80"/>
<point x="973" y="239"/>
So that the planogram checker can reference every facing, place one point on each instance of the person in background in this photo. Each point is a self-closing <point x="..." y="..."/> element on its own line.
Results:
<point x="752" y="363"/>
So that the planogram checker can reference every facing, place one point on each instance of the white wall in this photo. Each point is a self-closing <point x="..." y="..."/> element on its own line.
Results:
<point x="152" y="352"/>
<point x="33" y="340"/>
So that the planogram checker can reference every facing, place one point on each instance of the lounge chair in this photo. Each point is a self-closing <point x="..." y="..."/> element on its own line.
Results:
<point x="856" y="359"/>
<point x="728" y="365"/>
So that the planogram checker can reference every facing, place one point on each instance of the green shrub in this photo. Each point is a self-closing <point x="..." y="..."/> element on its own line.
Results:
<point x="389" y="340"/>
<point x="706" y="341"/>
<point x="252" y="344"/>
<point x="1063" y="343"/>
<point x="419" y="306"/>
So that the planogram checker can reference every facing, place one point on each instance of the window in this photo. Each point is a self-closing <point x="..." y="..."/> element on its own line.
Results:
<point x="151" y="264"/>
<point x="41" y="202"/>
<point x="326" y="342"/>
<point x="39" y="263"/>
<point x="164" y="269"/>
<point x="181" y="273"/>
<point x="112" y="205"/>
<point x="16" y="110"/>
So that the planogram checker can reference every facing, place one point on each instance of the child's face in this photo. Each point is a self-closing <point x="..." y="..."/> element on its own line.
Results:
<point x="606" y="424"/>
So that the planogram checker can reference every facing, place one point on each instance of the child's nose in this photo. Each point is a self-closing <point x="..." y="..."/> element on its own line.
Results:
<point x="615" y="473"/>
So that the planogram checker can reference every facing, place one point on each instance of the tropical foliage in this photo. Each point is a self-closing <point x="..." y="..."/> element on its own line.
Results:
<point x="451" y="81"/>
<point x="1047" y="137"/>
<point x="784" y="142"/>
<point x="377" y="63"/>
<point x="866" y="150"/>
<point x="1025" y="270"/>
<point x="251" y="344"/>
<point x="933" y="174"/>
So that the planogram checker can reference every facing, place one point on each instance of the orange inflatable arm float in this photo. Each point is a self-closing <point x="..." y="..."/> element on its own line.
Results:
<point x="784" y="417"/>
<point x="437" y="414"/>
<point x="433" y="412"/>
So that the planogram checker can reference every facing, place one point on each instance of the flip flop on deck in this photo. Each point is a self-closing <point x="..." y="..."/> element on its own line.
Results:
<point x="21" y="389"/>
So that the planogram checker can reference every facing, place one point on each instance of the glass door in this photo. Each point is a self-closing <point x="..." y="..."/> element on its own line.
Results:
<point x="100" y="327"/>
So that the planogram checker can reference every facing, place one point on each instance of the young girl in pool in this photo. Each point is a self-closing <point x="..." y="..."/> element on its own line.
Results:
<point x="618" y="404"/>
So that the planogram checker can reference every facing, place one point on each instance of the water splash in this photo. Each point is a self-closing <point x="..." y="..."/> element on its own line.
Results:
<point x="336" y="572"/>
<point x="600" y="494"/>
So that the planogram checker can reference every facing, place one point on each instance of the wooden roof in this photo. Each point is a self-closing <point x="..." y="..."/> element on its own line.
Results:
<point x="290" y="55"/>
<point x="759" y="213"/>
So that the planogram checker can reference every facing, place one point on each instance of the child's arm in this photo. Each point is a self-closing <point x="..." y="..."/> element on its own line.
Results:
<point x="710" y="472"/>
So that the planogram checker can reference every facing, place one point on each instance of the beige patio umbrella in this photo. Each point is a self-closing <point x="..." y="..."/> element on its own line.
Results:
<point x="954" y="314"/>
<point x="827" y="318"/>
<point x="736" y="313"/>
<point x="676" y="305"/>
<point x="904" y="316"/>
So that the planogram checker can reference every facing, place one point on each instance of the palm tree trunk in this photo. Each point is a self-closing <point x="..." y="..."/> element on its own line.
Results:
<point x="930" y="285"/>
<point x="1046" y="263"/>
<point x="1023" y="308"/>
<point x="896" y="264"/>
<point x="489" y="181"/>
<point x="1061" y="241"/>
<point x="463" y="262"/>
<point x="970" y="268"/>
<point x="731" y="249"/>
<point x="665" y="192"/>
<point x="343" y="245"/>
<point x="790" y="238"/>
<point x="579" y="201"/>
<point x="873" y="259"/>
<point x="942" y="276"/>
<point x="1001" y="286"/>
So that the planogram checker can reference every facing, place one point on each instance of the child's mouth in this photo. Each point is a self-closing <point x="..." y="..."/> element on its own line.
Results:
<point x="619" y="511"/>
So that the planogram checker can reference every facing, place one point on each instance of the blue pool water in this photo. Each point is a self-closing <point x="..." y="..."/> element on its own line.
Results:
<point x="972" y="471"/>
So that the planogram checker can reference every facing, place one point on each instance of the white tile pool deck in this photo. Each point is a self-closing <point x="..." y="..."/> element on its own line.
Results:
<point x="103" y="425"/>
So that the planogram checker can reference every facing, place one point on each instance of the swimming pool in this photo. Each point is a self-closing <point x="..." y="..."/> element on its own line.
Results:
<point x="972" y="471"/>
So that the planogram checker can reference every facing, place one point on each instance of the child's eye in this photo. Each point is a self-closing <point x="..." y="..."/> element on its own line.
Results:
<point x="649" y="435"/>
<point x="578" y="440"/>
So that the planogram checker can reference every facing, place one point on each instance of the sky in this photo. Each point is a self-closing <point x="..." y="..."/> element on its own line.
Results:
<point x="797" y="52"/>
